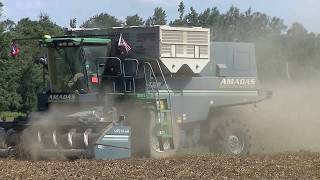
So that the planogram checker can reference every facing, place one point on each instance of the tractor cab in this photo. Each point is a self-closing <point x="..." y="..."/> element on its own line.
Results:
<point x="72" y="63"/>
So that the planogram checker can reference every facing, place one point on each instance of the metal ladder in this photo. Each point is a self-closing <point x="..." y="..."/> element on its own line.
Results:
<point x="164" y="115"/>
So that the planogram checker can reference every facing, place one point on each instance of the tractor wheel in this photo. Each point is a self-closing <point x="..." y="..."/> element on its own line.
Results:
<point x="144" y="139"/>
<point x="229" y="136"/>
<point x="153" y="142"/>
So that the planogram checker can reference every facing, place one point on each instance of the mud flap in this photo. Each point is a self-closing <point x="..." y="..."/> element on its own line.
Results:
<point x="114" y="144"/>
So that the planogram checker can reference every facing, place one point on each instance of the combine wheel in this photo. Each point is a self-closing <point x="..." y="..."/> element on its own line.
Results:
<point x="159" y="147"/>
<point x="154" y="143"/>
<point x="145" y="142"/>
<point x="229" y="136"/>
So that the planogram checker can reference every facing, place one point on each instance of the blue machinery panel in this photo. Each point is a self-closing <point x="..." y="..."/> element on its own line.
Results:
<point x="114" y="144"/>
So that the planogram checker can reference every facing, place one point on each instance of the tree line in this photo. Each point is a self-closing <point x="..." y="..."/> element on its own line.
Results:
<point x="282" y="52"/>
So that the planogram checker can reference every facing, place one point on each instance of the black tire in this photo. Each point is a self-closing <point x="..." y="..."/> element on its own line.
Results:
<point x="229" y="136"/>
<point x="153" y="143"/>
<point x="144" y="140"/>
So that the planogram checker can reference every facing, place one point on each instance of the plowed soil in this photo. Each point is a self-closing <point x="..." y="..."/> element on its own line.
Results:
<point x="301" y="165"/>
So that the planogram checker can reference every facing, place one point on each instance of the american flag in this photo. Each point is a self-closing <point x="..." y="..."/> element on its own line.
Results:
<point x="14" y="50"/>
<point x="123" y="44"/>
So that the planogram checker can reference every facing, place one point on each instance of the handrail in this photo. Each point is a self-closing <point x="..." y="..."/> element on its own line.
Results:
<point x="165" y="82"/>
<point x="130" y="76"/>
<point x="154" y="76"/>
<point x="130" y="59"/>
<point x="170" y="118"/>
<point x="164" y="79"/>
<point x="106" y="58"/>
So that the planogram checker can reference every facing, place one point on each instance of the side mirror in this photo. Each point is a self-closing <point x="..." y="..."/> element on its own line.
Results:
<point x="44" y="62"/>
<point x="222" y="70"/>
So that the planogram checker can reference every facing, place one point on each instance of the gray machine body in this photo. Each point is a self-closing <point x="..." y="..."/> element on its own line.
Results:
<point x="199" y="74"/>
<point x="229" y="79"/>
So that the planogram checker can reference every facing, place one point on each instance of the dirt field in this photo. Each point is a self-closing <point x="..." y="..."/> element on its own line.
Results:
<point x="279" y="166"/>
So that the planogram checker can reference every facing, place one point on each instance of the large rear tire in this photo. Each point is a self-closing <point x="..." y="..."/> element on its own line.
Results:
<point x="229" y="135"/>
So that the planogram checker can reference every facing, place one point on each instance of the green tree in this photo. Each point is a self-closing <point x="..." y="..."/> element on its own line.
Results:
<point x="8" y="25"/>
<point x="158" y="18"/>
<point x="181" y="10"/>
<point x="73" y="23"/>
<point x="30" y="74"/>
<point x="149" y="22"/>
<point x="277" y="25"/>
<point x="204" y="18"/>
<point x="297" y="29"/>
<point x="180" y="21"/>
<point x="192" y="18"/>
<point x="134" y="20"/>
<point x="212" y="20"/>
<point x="230" y="26"/>
<point x="102" y="20"/>
<point x="10" y="100"/>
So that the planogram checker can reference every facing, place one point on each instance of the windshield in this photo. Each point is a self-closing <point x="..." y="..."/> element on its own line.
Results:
<point x="65" y="69"/>
<point x="73" y="69"/>
<point x="92" y="54"/>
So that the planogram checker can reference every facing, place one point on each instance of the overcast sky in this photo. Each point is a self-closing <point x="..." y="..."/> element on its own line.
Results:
<point x="61" y="11"/>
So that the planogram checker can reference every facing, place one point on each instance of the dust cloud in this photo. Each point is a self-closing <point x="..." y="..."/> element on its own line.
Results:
<point x="39" y="134"/>
<point x="289" y="121"/>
